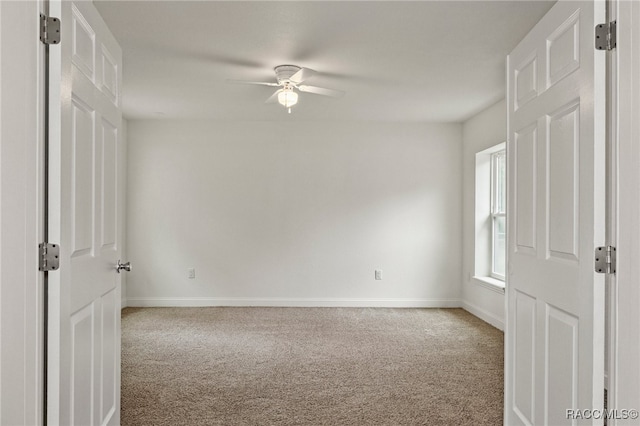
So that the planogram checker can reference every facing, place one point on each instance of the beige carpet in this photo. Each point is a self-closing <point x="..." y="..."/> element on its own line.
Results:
<point x="310" y="366"/>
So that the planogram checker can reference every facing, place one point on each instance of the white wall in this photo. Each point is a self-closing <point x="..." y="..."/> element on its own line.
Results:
<point x="480" y="132"/>
<point x="294" y="213"/>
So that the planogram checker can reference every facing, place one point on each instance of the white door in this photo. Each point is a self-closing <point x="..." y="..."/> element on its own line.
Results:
<point x="556" y="146"/>
<point x="85" y="218"/>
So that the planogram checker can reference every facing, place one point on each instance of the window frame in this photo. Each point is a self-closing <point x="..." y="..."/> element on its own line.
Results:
<point x="496" y="212"/>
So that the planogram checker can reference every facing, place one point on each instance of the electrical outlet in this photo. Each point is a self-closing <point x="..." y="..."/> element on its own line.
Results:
<point x="191" y="273"/>
<point x="378" y="274"/>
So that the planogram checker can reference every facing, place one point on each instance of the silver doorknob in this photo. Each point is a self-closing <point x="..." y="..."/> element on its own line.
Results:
<point x="121" y="266"/>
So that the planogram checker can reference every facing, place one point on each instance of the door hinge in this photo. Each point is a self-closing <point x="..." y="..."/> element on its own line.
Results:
<point x="49" y="257"/>
<point x="606" y="36"/>
<point x="49" y="30"/>
<point x="605" y="260"/>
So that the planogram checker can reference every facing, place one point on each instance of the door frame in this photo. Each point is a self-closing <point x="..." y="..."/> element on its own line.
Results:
<point x="21" y="229"/>
<point x="624" y="365"/>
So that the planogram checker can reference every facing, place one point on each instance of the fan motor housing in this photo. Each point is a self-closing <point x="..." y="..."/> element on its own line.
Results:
<point x="284" y="73"/>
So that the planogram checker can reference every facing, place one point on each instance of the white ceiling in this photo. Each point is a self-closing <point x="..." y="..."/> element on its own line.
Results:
<point x="397" y="61"/>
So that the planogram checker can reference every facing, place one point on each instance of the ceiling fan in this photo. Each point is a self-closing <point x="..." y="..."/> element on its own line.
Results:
<point x="289" y="79"/>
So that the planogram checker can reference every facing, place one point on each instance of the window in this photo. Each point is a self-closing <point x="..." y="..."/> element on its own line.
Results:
<point x="498" y="214"/>
<point x="489" y="269"/>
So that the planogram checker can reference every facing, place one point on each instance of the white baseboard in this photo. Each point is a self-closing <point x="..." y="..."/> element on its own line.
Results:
<point x="290" y="302"/>
<point x="123" y="303"/>
<point x="485" y="316"/>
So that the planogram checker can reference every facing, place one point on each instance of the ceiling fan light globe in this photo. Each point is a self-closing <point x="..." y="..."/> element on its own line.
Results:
<point x="287" y="98"/>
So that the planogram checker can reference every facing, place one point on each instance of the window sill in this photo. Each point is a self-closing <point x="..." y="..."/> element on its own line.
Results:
<point x="490" y="284"/>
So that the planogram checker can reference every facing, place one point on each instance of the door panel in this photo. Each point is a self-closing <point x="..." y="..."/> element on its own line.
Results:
<point x="82" y="189"/>
<point x="555" y="328"/>
<point x="526" y="81"/>
<point x="109" y="192"/>
<point x="85" y="307"/>
<point x="524" y="367"/>
<point x="109" y="356"/>
<point x="563" y="181"/>
<point x="563" y="50"/>
<point x="82" y="337"/>
<point x="524" y="214"/>
<point x="561" y="362"/>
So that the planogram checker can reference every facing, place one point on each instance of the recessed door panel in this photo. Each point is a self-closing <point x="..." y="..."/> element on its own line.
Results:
<point x="109" y="370"/>
<point x="83" y="42"/>
<point x="525" y="147"/>
<point x="109" y="193"/>
<point x="524" y="362"/>
<point x="561" y="350"/>
<point x="526" y="81"/>
<point x="563" y="50"/>
<point x="563" y="139"/>
<point x="83" y="178"/>
<point x="109" y="76"/>
<point x="82" y="368"/>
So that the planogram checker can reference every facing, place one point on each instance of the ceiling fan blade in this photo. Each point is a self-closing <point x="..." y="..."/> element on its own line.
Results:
<point x="273" y="98"/>
<point x="260" y="83"/>
<point x="302" y="75"/>
<point x="321" y="91"/>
